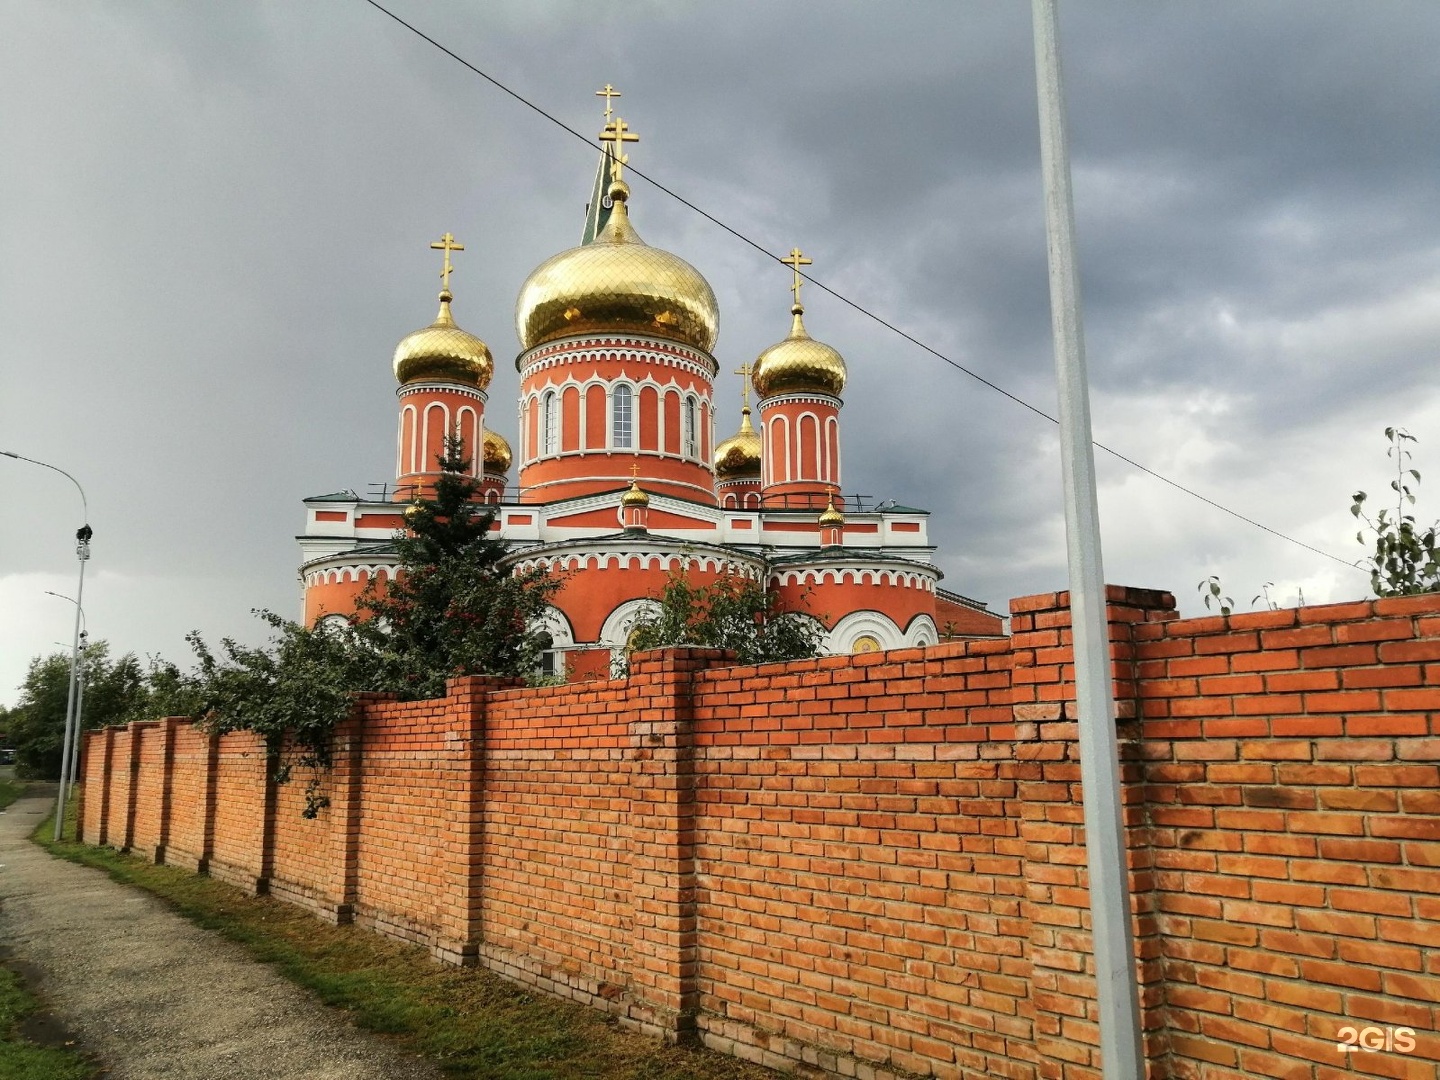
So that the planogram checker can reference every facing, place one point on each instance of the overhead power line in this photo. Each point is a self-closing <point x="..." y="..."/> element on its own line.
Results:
<point x="854" y="305"/>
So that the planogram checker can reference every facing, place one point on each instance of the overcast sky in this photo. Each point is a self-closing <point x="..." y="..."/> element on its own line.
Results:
<point x="215" y="219"/>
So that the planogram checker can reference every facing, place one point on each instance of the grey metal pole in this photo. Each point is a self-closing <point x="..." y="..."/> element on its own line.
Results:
<point x="79" y="715"/>
<point x="82" y="551"/>
<point x="1121" y="1050"/>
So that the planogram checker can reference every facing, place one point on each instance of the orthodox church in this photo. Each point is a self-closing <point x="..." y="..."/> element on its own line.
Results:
<point x="621" y="479"/>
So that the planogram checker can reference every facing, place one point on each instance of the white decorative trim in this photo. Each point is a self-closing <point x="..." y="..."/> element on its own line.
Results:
<point x="859" y="623"/>
<point x="856" y="574"/>
<point x="442" y="388"/>
<point x="650" y="350"/>
<point x="921" y="633"/>
<point x="802" y="398"/>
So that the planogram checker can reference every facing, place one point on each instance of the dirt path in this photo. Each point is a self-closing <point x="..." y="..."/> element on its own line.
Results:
<point x="153" y="995"/>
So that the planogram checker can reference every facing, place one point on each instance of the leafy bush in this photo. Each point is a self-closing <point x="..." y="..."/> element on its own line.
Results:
<point x="1406" y="560"/>
<point x="732" y="612"/>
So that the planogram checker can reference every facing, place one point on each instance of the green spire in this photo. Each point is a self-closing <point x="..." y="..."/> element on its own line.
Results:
<point x="597" y="213"/>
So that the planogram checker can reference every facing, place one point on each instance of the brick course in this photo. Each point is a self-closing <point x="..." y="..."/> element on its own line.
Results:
<point x="874" y="865"/>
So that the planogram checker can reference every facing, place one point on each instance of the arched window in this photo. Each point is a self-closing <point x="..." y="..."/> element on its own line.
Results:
<point x="622" y="418"/>
<point x="692" y="430"/>
<point x="551" y="441"/>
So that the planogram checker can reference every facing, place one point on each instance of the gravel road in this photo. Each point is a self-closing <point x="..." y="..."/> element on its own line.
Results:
<point x="153" y="996"/>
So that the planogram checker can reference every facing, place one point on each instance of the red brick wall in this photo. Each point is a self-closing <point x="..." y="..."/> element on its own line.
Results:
<point x="243" y="795"/>
<point x="1292" y="780"/>
<point x="152" y="740"/>
<point x="860" y="862"/>
<point x="557" y="843"/>
<point x="192" y="798"/>
<point x="409" y="752"/>
<point x="875" y="865"/>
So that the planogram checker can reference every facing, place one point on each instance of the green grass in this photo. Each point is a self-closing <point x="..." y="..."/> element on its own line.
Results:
<point x="21" y="1059"/>
<point x="10" y="790"/>
<point x="470" y="1021"/>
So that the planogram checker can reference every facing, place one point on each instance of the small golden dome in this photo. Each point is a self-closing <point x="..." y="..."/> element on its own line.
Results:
<point x="799" y="364"/>
<point x="443" y="351"/>
<point x="739" y="455"/>
<point x="634" y="497"/>
<point x="497" y="453"/>
<point x="413" y="511"/>
<point x="617" y="283"/>
<point x="831" y="516"/>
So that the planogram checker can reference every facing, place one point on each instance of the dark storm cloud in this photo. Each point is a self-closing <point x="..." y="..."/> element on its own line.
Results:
<point x="216" y="221"/>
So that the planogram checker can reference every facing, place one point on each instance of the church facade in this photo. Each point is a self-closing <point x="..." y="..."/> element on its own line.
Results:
<point x="617" y="478"/>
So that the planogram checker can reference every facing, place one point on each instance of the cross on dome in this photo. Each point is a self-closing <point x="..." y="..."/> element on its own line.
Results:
<point x="796" y="260"/>
<point x="608" y="93"/>
<point x="618" y="133"/>
<point x="744" y="370"/>
<point x="447" y="244"/>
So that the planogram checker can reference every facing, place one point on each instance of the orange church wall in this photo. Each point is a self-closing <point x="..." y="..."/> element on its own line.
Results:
<point x="830" y="602"/>
<point x="587" y="608"/>
<point x="877" y="862"/>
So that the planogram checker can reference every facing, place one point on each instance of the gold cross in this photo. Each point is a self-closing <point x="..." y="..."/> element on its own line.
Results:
<point x="745" y="369"/>
<point x="619" y="134"/>
<point x="447" y="244"/>
<point x="796" y="260"/>
<point x="634" y="472"/>
<point x="608" y="93"/>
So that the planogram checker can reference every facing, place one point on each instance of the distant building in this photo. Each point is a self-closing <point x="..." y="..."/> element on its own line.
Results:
<point x="621" y="479"/>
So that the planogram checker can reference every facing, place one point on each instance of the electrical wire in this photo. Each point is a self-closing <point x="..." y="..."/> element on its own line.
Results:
<point x="861" y="309"/>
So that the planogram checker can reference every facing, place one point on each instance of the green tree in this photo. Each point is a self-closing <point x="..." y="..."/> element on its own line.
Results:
<point x="454" y="608"/>
<point x="115" y="692"/>
<point x="732" y="612"/>
<point x="1406" y="560"/>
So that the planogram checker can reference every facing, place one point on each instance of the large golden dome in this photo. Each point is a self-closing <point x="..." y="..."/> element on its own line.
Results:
<point x="443" y="351"/>
<point x="799" y="364"/>
<point x="497" y="453"/>
<point x="617" y="283"/>
<point x="739" y="455"/>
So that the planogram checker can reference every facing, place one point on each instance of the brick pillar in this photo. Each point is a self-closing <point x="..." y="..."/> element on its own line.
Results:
<point x="130" y="762"/>
<point x="1057" y="896"/>
<point x="101" y="744"/>
<point x="662" y="819"/>
<point x="212" y="778"/>
<point x="346" y="767"/>
<point x="167" y="785"/>
<point x="462" y="883"/>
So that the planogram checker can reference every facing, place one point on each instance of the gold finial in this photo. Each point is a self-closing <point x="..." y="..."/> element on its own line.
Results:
<point x="796" y="260"/>
<point x="619" y="133"/>
<point x="634" y="473"/>
<point x="744" y="370"/>
<point x="447" y="244"/>
<point x="608" y="93"/>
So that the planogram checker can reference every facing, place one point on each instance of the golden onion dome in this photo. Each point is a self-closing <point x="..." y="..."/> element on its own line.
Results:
<point x="443" y="351"/>
<point x="799" y="364"/>
<point x="739" y="455"/>
<point x="634" y="496"/>
<point x="831" y="516"/>
<point x="617" y="283"/>
<point x="497" y="453"/>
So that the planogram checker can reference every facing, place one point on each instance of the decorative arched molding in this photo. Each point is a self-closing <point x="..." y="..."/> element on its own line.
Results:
<point x="615" y="631"/>
<point x="554" y="622"/>
<point x="921" y="632"/>
<point x="841" y="640"/>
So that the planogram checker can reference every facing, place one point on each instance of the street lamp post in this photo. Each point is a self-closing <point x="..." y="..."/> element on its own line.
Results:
<point x="78" y="670"/>
<point x="82" y="552"/>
